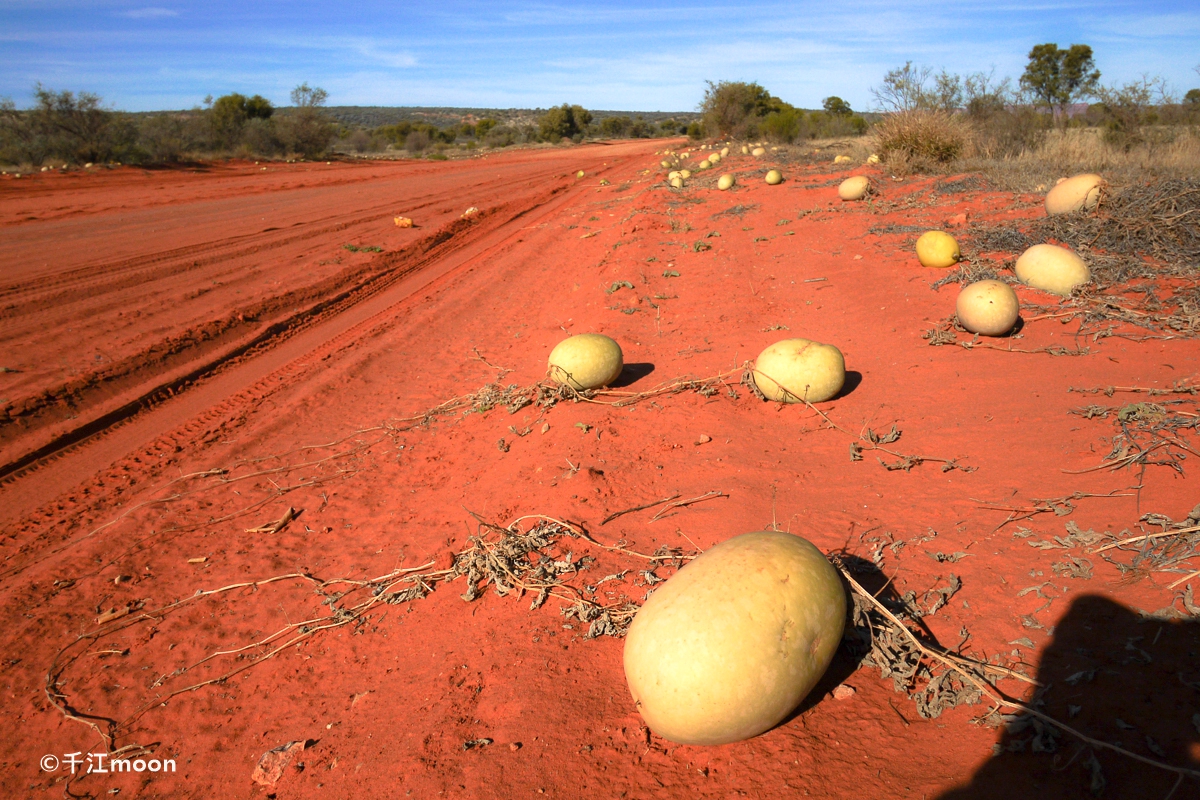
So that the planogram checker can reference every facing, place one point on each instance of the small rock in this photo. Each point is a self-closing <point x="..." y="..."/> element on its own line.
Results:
<point x="704" y="439"/>
<point x="515" y="746"/>
<point x="271" y="766"/>
<point x="403" y="222"/>
<point x="842" y="692"/>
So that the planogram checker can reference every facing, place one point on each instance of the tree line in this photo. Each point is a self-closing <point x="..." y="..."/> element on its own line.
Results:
<point x="75" y="128"/>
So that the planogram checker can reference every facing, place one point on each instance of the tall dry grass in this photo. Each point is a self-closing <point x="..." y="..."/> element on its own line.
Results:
<point x="1175" y="154"/>
<point x="922" y="141"/>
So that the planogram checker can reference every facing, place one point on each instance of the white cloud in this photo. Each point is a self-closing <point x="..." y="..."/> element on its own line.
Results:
<point x="148" y="13"/>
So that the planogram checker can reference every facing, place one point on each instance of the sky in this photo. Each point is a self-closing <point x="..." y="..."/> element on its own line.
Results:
<point x="646" y="56"/>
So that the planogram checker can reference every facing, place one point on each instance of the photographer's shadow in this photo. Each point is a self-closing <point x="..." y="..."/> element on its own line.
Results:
<point x="1119" y="678"/>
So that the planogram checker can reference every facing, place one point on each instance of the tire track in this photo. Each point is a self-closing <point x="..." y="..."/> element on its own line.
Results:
<point x="32" y="297"/>
<point x="219" y="387"/>
<point x="165" y="362"/>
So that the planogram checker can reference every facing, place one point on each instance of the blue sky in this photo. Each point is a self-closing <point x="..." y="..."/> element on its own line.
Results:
<point x="644" y="56"/>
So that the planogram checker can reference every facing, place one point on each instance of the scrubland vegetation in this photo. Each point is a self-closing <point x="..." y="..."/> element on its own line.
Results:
<point x="1030" y="131"/>
<point x="923" y="120"/>
<point x="68" y="128"/>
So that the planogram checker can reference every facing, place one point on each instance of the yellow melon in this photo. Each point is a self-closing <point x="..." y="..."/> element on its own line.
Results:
<point x="585" y="361"/>
<point x="1080" y="193"/>
<point x="854" y="188"/>
<point x="1052" y="269"/>
<point x="731" y="644"/>
<point x="799" y="370"/>
<point x="987" y="307"/>
<point x="937" y="249"/>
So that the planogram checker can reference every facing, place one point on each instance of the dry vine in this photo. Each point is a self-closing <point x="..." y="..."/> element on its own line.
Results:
<point x="512" y="560"/>
<point x="961" y="678"/>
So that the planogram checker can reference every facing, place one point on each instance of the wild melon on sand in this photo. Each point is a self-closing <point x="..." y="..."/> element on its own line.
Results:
<point x="1080" y="193"/>
<point x="854" y="188"/>
<point x="1052" y="269"/>
<point x="799" y="370"/>
<point x="585" y="361"/>
<point x="730" y="644"/>
<point x="987" y="307"/>
<point x="937" y="249"/>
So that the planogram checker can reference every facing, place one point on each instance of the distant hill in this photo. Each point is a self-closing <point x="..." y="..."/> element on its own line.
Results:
<point x="374" y="116"/>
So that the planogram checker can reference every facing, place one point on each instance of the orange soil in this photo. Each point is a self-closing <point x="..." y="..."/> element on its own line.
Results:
<point x="161" y="324"/>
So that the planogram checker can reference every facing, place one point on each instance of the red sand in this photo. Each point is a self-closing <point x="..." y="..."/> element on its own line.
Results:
<point x="160" y="324"/>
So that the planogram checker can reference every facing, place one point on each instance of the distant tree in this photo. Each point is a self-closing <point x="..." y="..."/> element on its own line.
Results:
<point x="305" y="97"/>
<point x="64" y="125"/>
<point x="483" y="126"/>
<point x="228" y="116"/>
<point x="566" y="121"/>
<point x="615" y="127"/>
<point x="984" y="95"/>
<point x="783" y="126"/>
<point x="1059" y="77"/>
<point x="259" y="107"/>
<point x="305" y="130"/>
<point x="836" y="106"/>
<point x="916" y="88"/>
<point x="359" y="141"/>
<point x="947" y="92"/>
<point x="904" y="89"/>
<point x="734" y="108"/>
<point x="1128" y="110"/>
<point x="669" y="127"/>
<point x="1192" y="98"/>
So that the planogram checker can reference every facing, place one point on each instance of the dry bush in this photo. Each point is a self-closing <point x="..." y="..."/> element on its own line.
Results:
<point x="920" y="140"/>
<point x="416" y="141"/>
<point x="1007" y="131"/>
<point x="1075" y="150"/>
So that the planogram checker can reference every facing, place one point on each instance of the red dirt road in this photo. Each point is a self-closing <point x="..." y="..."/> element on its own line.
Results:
<point x="190" y="353"/>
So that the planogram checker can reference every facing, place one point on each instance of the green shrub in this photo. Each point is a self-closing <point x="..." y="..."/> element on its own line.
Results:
<point x="483" y="126"/>
<point x="640" y="129"/>
<point x="1128" y="111"/>
<point x="500" y="136"/>
<point x="921" y="138"/>
<point x="305" y="129"/>
<point x="783" y="126"/>
<point x="564" y="122"/>
<point x="615" y="127"/>
<point x="229" y="114"/>
<point x="734" y="108"/>
<point x="163" y="138"/>
<point x="261" y="137"/>
<point x="64" y="126"/>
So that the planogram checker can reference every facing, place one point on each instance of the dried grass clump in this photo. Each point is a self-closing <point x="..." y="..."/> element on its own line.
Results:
<point x="921" y="139"/>
<point x="1173" y="152"/>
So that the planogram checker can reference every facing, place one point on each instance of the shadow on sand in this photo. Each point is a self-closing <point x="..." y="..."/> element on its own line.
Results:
<point x="1120" y="678"/>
